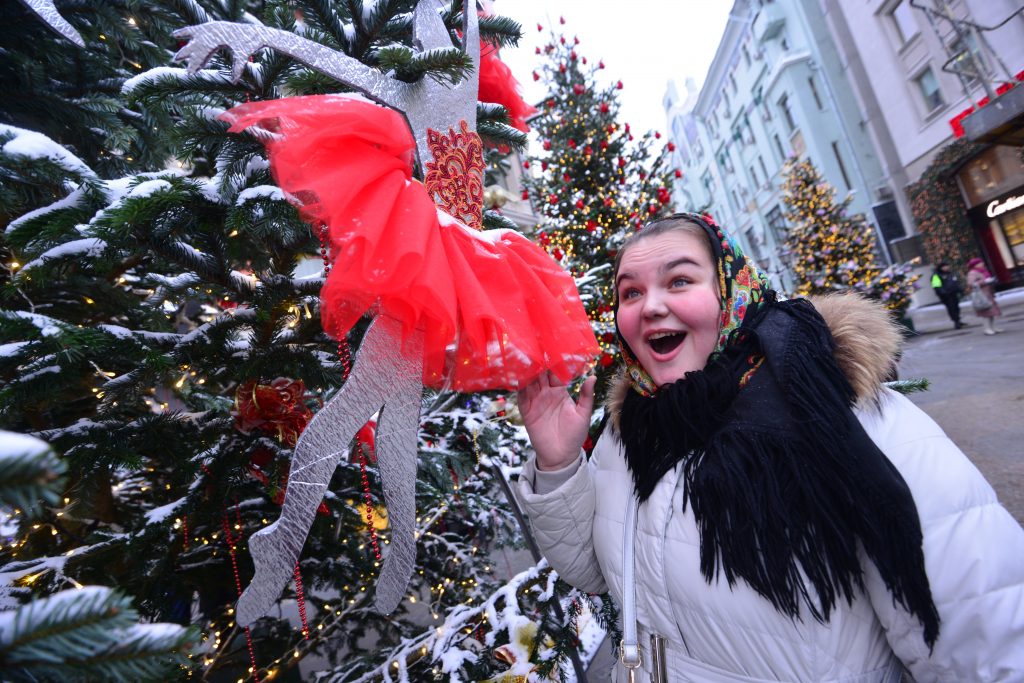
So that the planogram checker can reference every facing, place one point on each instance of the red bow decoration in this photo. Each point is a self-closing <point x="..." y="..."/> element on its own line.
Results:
<point x="277" y="408"/>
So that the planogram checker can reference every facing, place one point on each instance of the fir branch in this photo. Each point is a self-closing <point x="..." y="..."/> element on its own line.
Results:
<point x="500" y="31"/>
<point x="909" y="386"/>
<point x="31" y="473"/>
<point x="494" y="220"/>
<point x="443" y="64"/>
<point x="321" y="15"/>
<point x="79" y="635"/>
<point x="501" y="134"/>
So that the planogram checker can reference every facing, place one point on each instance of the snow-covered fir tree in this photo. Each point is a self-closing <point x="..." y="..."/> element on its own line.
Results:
<point x="159" y="329"/>
<point x="830" y="250"/>
<point x="593" y="180"/>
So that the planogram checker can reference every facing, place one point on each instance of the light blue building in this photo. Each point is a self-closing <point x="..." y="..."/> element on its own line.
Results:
<point x="775" y="88"/>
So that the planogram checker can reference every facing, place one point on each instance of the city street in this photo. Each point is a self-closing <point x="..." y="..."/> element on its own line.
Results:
<point x="977" y="391"/>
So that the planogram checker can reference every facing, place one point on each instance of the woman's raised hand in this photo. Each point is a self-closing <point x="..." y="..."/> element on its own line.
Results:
<point x="556" y="424"/>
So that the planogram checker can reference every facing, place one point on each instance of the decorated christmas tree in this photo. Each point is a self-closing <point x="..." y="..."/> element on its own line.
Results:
<point x="592" y="181"/>
<point x="830" y="250"/>
<point x="161" y="331"/>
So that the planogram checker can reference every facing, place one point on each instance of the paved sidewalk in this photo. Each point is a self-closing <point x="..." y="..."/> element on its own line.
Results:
<point x="934" y="318"/>
<point x="977" y="389"/>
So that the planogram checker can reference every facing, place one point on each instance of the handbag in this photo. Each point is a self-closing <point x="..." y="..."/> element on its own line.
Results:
<point x="979" y="300"/>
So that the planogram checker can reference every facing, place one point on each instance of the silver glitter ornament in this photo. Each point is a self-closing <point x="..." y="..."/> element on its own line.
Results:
<point x="46" y="11"/>
<point x="386" y="373"/>
<point x="379" y="381"/>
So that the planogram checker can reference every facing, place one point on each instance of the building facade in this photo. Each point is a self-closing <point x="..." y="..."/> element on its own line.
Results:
<point x="913" y="66"/>
<point x="775" y="88"/>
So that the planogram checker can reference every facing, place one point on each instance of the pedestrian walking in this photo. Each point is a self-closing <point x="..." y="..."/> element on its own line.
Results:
<point x="759" y="504"/>
<point x="983" y="295"/>
<point x="947" y="287"/>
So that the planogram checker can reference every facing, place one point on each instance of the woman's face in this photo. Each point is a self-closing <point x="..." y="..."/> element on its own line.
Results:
<point x="669" y="309"/>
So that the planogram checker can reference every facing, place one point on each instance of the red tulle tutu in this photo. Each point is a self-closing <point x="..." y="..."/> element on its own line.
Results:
<point x="495" y="308"/>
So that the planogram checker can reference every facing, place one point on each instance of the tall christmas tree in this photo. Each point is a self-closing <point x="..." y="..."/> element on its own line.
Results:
<point x="592" y="182"/>
<point x="830" y="250"/>
<point x="160" y="329"/>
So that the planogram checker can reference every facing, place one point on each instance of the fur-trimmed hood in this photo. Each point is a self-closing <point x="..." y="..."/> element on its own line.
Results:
<point x="867" y="348"/>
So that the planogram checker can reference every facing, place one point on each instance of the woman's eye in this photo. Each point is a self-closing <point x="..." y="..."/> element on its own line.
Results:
<point x="680" y="282"/>
<point x="630" y="294"/>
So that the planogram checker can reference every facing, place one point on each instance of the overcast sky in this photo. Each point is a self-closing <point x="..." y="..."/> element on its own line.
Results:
<point x="643" y="43"/>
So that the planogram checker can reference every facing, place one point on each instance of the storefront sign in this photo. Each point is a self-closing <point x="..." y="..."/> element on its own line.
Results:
<point x="997" y="208"/>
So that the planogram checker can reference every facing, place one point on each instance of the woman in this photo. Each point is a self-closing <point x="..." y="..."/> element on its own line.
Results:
<point x="980" y="280"/>
<point x="760" y="506"/>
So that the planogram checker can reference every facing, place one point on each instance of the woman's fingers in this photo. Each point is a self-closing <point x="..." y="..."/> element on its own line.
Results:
<point x="585" y="405"/>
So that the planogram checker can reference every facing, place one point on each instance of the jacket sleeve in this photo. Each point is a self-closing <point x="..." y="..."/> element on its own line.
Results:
<point x="974" y="557"/>
<point x="562" y="521"/>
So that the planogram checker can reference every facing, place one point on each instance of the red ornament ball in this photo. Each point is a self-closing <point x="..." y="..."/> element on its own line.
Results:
<point x="578" y="89"/>
<point x="619" y="85"/>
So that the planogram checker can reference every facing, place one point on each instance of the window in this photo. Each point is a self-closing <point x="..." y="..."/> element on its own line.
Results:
<point x="725" y="161"/>
<point x="764" y="170"/>
<point x="753" y="174"/>
<point x="746" y="55"/>
<point x="778" y="146"/>
<point x="777" y="223"/>
<point x="842" y="166"/>
<point x="814" y="92"/>
<point x="968" y="59"/>
<point x="787" y="115"/>
<point x="904" y="21"/>
<point x="708" y="182"/>
<point x="929" y="87"/>
<point x="732" y="81"/>
<point x="736" y="199"/>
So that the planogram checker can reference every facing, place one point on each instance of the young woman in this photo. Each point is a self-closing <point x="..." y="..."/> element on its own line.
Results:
<point x="759" y="505"/>
<point x="978" y="278"/>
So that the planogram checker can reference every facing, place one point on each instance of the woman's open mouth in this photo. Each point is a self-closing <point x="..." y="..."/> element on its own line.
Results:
<point x="665" y="342"/>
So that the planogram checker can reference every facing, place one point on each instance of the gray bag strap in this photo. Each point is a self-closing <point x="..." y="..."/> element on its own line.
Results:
<point x="630" y="646"/>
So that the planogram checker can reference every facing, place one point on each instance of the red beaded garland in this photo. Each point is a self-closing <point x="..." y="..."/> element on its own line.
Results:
<point x="232" y="542"/>
<point x="301" y="600"/>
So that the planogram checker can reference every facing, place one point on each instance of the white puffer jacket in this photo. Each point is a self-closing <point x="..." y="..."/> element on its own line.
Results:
<point x="974" y="557"/>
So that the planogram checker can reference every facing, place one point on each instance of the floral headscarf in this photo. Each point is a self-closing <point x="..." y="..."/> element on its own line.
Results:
<point x="741" y="288"/>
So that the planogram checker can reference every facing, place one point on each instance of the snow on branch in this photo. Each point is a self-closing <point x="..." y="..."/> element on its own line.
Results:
<point x="27" y="143"/>
<point x="163" y="75"/>
<point x="86" y="247"/>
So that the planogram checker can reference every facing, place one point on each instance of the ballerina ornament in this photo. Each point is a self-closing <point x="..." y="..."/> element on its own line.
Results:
<point x="453" y="306"/>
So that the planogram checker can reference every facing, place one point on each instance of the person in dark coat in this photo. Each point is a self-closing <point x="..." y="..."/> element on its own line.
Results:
<point x="947" y="286"/>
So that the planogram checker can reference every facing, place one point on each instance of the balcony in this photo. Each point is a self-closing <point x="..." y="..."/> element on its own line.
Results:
<point x="1001" y="121"/>
<point x="769" y="22"/>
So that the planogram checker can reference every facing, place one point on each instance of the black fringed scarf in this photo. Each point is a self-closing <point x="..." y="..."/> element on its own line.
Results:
<point x="782" y="478"/>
